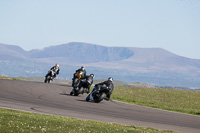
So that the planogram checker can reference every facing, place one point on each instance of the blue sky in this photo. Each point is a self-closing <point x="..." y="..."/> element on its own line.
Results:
<point x="170" y="24"/>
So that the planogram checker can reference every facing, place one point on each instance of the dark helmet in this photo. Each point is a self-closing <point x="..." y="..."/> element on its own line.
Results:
<point x="110" y="79"/>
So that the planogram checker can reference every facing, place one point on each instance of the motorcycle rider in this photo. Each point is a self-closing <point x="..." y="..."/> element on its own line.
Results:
<point x="82" y="69"/>
<point x="87" y="83"/>
<point x="55" y="69"/>
<point x="108" y="83"/>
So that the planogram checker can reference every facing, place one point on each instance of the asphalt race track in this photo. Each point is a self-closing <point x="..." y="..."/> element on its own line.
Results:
<point x="54" y="99"/>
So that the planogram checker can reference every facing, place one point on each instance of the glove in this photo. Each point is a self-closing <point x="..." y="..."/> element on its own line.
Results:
<point x="110" y="90"/>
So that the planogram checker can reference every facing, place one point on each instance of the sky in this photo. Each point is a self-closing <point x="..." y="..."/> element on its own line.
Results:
<point x="173" y="25"/>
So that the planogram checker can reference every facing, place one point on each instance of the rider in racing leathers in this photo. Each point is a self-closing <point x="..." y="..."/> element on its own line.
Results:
<point x="108" y="83"/>
<point x="55" y="69"/>
<point x="87" y="83"/>
<point x="82" y="69"/>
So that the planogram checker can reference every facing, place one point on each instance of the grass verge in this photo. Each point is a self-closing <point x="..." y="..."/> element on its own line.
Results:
<point x="184" y="101"/>
<point x="5" y="77"/>
<point x="20" y="122"/>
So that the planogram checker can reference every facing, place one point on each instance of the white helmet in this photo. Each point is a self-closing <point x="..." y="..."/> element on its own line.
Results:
<point x="110" y="79"/>
<point x="92" y="75"/>
<point x="83" y="67"/>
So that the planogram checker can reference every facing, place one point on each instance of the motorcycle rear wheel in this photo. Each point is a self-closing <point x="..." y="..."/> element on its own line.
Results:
<point x="100" y="98"/>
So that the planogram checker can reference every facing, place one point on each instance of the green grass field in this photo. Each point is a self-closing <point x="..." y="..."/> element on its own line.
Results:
<point x="22" y="122"/>
<point x="168" y="99"/>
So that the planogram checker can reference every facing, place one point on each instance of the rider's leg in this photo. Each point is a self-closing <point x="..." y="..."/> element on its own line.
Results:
<point x="88" y="88"/>
<point x="108" y="96"/>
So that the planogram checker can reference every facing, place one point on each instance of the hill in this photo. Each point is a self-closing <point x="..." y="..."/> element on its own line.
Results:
<point x="82" y="53"/>
<point x="147" y="65"/>
<point x="12" y="52"/>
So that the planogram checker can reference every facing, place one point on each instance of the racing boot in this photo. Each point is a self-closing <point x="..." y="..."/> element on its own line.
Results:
<point x="107" y="97"/>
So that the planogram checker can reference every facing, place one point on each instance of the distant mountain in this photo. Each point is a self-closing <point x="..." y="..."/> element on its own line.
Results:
<point x="148" y="65"/>
<point x="83" y="53"/>
<point x="12" y="52"/>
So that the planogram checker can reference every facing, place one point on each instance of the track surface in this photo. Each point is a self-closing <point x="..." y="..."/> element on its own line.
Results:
<point x="55" y="99"/>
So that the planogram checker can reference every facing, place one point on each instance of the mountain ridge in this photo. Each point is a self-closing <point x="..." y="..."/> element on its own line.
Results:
<point x="148" y="65"/>
<point x="83" y="50"/>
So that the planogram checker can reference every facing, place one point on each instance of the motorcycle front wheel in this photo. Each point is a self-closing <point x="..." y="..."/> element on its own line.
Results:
<point x="45" y="80"/>
<point x="76" y="91"/>
<point x="48" y="79"/>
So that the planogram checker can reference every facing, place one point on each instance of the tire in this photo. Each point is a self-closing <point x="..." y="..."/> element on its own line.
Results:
<point x="71" y="93"/>
<point x="75" y="92"/>
<point x="48" y="79"/>
<point x="76" y="82"/>
<point x="99" y="99"/>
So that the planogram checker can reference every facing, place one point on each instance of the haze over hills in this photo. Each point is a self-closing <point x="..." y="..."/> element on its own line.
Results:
<point x="148" y="65"/>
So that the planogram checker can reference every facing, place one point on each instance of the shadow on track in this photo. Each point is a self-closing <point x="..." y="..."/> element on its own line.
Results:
<point x="64" y="85"/>
<point x="65" y="94"/>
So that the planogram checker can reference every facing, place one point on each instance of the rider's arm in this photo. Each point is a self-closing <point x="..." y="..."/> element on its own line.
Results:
<point x="52" y="68"/>
<point x="111" y="87"/>
<point x="58" y="71"/>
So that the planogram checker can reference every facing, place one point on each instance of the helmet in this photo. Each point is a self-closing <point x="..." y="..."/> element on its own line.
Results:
<point x="110" y="79"/>
<point x="83" y="67"/>
<point x="57" y="65"/>
<point x="92" y="75"/>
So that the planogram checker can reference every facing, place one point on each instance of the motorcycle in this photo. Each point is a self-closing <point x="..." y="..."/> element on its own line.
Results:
<point x="76" y="82"/>
<point x="49" y="77"/>
<point x="97" y="95"/>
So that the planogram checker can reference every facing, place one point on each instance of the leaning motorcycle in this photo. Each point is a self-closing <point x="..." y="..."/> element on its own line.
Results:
<point x="97" y="95"/>
<point x="76" y="81"/>
<point x="49" y="77"/>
